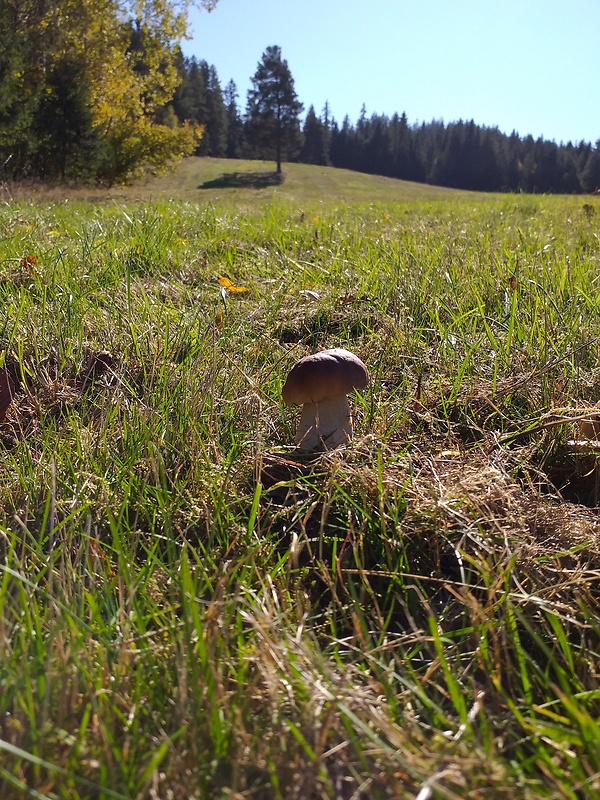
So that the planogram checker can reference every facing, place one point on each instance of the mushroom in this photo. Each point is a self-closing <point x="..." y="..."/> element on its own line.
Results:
<point x="319" y="383"/>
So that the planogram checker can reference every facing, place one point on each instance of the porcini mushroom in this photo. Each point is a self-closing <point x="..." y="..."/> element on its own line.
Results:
<point x="319" y="383"/>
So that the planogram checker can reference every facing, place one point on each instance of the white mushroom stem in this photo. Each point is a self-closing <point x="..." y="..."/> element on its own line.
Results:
<point x="325" y="425"/>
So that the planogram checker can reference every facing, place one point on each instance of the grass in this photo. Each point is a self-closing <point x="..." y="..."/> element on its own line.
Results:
<point x="189" y="608"/>
<point x="219" y="181"/>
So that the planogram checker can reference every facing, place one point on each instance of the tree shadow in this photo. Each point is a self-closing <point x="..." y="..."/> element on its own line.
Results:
<point x="244" y="180"/>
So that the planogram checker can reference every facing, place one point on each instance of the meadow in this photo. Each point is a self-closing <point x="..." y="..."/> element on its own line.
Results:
<point x="191" y="608"/>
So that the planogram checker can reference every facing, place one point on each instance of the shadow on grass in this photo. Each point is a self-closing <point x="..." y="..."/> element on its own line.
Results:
<point x="244" y="180"/>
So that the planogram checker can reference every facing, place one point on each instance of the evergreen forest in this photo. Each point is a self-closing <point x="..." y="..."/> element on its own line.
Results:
<point x="460" y="154"/>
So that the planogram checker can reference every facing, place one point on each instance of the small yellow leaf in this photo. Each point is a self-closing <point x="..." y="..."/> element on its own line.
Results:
<point x="231" y="287"/>
<point x="219" y="321"/>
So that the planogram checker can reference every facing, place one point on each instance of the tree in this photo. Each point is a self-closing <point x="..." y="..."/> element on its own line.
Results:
<point x="235" y="126"/>
<point x="190" y="101"/>
<point x="127" y="102"/>
<point x="315" y="146"/>
<point x="21" y="81"/>
<point x="590" y="176"/>
<point x="214" y="141"/>
<point x="377" y="156"/>
<point x="341" y="145"/>
<point x="399" y="143"/>
<point x="68" y="144"/>
<point x="273" y="109"/>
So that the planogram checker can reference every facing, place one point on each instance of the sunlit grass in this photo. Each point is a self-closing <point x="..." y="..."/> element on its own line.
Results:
<point x="243" y="184"/>
<point x="189" y="609"/>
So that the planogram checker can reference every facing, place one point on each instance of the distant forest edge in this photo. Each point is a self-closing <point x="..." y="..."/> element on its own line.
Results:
<point x="460" y="154"/>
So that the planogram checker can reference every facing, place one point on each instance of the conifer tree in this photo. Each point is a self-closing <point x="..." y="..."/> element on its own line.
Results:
<point x="21" y="88"/>
<point x="189" y="100"/>
<point x="328" y="125"/>
<point x="590" y="176"/>
<point x="273" y="109"/>
<point x="314" y="148"/>
<point x="342" y="145"/>
<point x="215" y="124"/>
<point x="68" y="143"/>
<point x="235" y="126"/>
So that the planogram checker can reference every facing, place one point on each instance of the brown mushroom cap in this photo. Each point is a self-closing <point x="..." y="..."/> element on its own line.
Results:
<point x="323" y="376"/>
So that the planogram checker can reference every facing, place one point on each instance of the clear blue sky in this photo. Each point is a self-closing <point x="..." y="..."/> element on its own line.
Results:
<point x="527" y="65"/>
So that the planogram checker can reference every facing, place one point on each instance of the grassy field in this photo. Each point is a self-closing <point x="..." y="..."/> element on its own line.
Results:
<point x="244" y="185"/>
<point x="189" y="608"/>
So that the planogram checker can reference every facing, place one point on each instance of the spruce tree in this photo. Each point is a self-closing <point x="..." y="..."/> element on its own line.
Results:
<point x="217" y="127"/>
<point x="590" y="175"/>
<point x="69" y="144"/>
<point x="342" y="145"/>
<point x="315" y="146"/>
<point x="235" y="126"/>
<point x="213" y="116"/>
<point x="273" y="109"/>
<point x="189" y="100"/>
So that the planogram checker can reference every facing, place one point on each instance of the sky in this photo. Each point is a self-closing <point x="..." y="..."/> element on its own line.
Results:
<point x="527" y="65"/>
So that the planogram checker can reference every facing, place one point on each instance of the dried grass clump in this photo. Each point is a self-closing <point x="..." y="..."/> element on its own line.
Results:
<point x="444" y="511"/>
<point x="484" y="512"/>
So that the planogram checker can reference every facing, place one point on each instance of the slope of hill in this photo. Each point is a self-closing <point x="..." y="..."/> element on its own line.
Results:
<point x="241" y="182"/>
<point x="218" y="179"/>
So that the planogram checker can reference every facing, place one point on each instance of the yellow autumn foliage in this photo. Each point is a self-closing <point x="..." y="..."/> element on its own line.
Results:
<point x="125" y="55"/>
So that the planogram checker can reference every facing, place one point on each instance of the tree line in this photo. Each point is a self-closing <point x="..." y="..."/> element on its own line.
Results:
<point x="459" y="154"/>
<point x="99" y="90"/>
<point x="463" y="155"/>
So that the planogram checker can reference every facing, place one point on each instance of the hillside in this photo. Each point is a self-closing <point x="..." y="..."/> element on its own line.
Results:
<point x="228" y="181"/>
